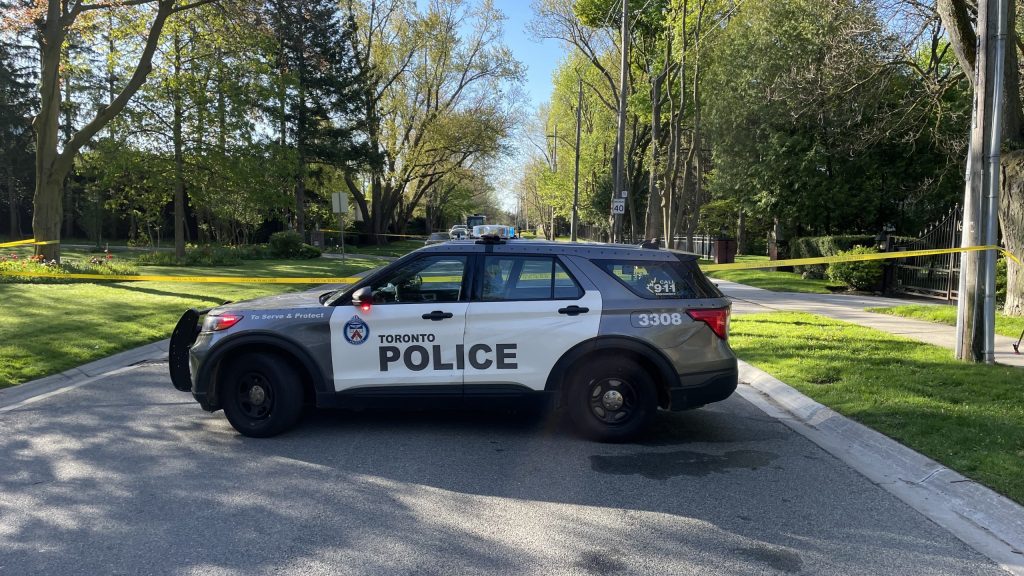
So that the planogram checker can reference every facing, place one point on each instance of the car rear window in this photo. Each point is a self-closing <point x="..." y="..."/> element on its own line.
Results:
<point x="658" y="280"/>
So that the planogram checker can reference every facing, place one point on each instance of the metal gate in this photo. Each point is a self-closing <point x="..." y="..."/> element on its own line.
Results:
<point x="933" y="276"/>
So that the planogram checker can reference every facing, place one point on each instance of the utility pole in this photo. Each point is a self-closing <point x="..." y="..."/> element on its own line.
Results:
<point x="573" y="230"/>
<point x="620" y="141"/>
<point x="976" y="300"/>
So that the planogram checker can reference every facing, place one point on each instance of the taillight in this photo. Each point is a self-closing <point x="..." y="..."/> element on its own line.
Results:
<point x="222" y="322"/>
<point x="716" y="318"/>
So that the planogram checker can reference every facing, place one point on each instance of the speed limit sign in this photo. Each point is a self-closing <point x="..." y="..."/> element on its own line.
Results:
<point x="618" y="206"/>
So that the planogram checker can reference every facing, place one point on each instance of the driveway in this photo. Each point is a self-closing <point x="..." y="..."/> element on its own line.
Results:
<point x="125" y="475"/>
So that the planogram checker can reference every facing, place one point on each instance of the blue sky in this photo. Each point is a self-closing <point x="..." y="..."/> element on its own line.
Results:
<point x="540" y="58"/>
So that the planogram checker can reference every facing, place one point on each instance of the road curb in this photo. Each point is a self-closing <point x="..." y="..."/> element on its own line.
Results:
<point x="988" y="522"/>
<point x="35" y="390"/>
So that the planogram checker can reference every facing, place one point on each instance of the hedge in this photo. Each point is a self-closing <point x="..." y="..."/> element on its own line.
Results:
<point x="817" y="246"/>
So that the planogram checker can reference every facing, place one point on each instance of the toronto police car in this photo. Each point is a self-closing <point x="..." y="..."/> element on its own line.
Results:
<point x="607" y="333"/>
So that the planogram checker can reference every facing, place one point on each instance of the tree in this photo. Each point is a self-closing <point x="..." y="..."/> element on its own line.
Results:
<point x="441" y="97"/>
<point x="321" y="86"/>
<point x="959" y="16"/>
<point x="52" y="21"/>
<point x="15" y="127"/>
<point x="820" y="120"/>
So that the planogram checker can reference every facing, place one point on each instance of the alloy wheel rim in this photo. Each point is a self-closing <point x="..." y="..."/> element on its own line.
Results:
<point x="612" y="400"/>
<point x="255" y="396"/>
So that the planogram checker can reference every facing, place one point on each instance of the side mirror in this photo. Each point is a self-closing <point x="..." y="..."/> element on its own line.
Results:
<point x="363" y="298"/>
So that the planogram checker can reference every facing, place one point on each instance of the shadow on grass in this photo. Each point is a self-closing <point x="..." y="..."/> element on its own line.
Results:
<point x="155" y="292"/>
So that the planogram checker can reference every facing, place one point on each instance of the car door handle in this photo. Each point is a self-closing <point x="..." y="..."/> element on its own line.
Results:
<point x="437" y="315"/>
<point x="573" y="310"/>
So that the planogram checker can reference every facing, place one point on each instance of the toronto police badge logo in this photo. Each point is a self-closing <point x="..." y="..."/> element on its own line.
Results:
<point x="356" y="331"/>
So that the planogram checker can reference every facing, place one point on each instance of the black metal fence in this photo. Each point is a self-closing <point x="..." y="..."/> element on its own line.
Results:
<point x="702" y="244"/>
<point x="933" y="276"/>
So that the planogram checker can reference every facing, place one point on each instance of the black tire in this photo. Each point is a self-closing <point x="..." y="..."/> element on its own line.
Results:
<point x="261" y="394"/>
<point x="611" y="400"/>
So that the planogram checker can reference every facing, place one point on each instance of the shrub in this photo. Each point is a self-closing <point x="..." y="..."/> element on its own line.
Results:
<point x="285" y="244"/>
<point x="217" y="255"/>
<point x="308" y="251"/>
<point x="864" y="275"/>
<point x="156" y="259"/>
<point x="817" y="246"/>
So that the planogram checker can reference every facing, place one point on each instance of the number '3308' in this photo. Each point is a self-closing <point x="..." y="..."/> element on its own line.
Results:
<point x="646" y="320"/>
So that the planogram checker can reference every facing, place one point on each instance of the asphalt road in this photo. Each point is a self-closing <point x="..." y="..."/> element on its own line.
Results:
<point x="128" y="476"/>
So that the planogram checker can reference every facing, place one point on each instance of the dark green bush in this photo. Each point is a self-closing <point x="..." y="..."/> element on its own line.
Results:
<point x="285" y="244"/>
<point x="217" y="255"/>
<point x="817" y="246"/>
<point x="864" y="275"/>
<point x="205" y="255"/>
<point x="308" y="251"/>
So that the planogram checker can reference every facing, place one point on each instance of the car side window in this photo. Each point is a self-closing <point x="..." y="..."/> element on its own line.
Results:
<point x="527" y="278"/>
<point x="653" y="280"/>
<point x="429" y="279"/>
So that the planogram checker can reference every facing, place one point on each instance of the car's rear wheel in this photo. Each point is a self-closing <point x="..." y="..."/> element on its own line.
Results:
<point x="611" y="400"/>
<point x="261" y="394"/>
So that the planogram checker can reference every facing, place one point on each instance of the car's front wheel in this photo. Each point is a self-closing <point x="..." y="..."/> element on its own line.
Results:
<point x="261" y="395"/>
<point x="611" y="400"/>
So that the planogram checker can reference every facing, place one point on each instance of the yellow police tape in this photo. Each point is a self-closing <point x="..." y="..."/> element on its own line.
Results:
<point x="29" y="242"/>
<point x="185" y="279"/>
<point x="343" y="280"/>
<point x="420" y="236"/>
<point x="851" y="258"/>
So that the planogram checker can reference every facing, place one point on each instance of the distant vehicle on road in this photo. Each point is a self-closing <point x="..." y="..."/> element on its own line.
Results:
<point x="475" y="220"/>
<point x="436" y="238"/>
<point x="458" y="232"/>
<point x="608" y="333"/>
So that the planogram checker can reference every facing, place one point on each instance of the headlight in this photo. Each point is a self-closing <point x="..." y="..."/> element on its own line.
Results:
<point x="222" y="322"/>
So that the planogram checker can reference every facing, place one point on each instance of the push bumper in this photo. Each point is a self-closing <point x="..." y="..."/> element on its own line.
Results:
<point x="698" y="389"/>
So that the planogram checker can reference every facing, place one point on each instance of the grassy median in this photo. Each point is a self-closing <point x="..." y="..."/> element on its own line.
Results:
<point x="1011" y="326"/>
<point x="968" y="417"/>
<point x="48" y="328"/>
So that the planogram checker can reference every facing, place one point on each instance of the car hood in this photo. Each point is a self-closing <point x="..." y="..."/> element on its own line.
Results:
<point x="291" y="300"/>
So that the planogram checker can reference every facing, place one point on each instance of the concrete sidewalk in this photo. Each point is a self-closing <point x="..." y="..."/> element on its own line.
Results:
<point x="851" y="308"/>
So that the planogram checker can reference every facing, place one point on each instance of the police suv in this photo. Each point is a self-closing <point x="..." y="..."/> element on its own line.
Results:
<point x="608" y="333"/>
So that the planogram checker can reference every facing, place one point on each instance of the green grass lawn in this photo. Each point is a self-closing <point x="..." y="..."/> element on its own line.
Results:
<point x="52" y="327"/>
<point x="1010" y="326"/>
<point x="968" y="417"/>
<point x="775" y="281"/>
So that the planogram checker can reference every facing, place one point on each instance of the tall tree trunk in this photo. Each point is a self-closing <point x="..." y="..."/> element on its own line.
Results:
<point x="179" y="158"/>
<point x="12" y="203"/>
<point x="741" y="233"/>
<point x="653" y="228"/>
<point x="47" y="201"/>
<point x="1011" y="219"/>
